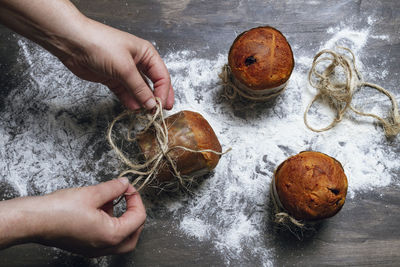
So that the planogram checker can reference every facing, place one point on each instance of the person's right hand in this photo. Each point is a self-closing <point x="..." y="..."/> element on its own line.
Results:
<point x="119" y="60"/>
<point x="92" y="50"/>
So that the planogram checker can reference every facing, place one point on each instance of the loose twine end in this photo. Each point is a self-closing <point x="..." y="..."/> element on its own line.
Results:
<point x="340" y="93"/>
<point x="146" y="172"/>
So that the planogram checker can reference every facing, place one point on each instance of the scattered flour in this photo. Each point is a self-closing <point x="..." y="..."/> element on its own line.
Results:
<point x="188" y="224"/>
<point x="231" y="204"/>
<point x="47" y="127"/>
<point x="371" y="20"/>
<point x="47" y="132"/>
<point x="354" y="39"/>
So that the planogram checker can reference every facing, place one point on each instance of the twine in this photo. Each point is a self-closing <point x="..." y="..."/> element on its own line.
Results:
<point x="281" y="215"/>
<point x="146" y="172"/>
<point x="340" y="94"/>
<point x="233" y="88"/>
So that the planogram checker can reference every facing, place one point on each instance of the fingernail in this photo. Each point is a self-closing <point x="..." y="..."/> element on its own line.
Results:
<point x="123" y="180"/>
<point x="150" y="104"/>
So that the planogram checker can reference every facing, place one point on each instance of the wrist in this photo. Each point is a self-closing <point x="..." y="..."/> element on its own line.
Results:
<point x="20" y="221"/>
<point x="65" y="41"/>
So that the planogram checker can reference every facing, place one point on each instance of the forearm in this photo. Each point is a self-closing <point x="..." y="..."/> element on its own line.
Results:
<point x="93" y="51"/>
<point x="20" y="221"/>
<point x="56" y="25"/>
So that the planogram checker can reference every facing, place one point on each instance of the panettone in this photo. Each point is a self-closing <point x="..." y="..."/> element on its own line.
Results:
<point x="311" y="186"/>
<point x="261" y="60"/>
<point x="186" y="129"/>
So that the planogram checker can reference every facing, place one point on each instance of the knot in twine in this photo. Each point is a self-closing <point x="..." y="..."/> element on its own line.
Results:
<point x="340" y="93"/>
<point x="147" y="171"/>
<point x="233" y="88"/>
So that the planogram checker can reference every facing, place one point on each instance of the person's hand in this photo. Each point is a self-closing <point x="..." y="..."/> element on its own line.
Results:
<point x="119" y="60"/>
<point x="79" y="220"/>
<point x="93" y="51"/>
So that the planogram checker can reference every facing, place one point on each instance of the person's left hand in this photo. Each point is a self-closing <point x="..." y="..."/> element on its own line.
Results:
<point x="81" y="220"/>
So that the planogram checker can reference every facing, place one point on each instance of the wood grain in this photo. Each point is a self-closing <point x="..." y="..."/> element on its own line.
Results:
<point x="365" y="232"/>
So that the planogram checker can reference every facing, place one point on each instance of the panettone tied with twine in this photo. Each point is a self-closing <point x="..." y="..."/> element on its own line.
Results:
<point x="176" y="149"/>
<point x="185" y="129"/>
<point x="310" y="186"/>
<point x="260" y="61"/>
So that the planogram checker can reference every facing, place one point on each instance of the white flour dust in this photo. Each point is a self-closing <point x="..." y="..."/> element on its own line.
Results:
<point x="46" y="128"/>
<point x="48" y="125"/>
<point x="229" y="208"/>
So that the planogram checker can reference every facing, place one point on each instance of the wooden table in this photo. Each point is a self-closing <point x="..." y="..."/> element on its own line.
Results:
<point x="365" y="232"/>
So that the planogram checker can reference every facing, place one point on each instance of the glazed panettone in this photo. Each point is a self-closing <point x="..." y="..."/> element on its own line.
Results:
<point x="261" y="60"/>
<point x="311" y="186"/>
<point x="186" y="129"/>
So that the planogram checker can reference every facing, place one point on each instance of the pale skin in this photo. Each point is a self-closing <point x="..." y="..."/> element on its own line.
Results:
<point x="81" y="220"/>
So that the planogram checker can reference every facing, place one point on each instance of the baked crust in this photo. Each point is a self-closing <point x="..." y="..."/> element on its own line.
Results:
<point x="188" y="129"/>
<point x="261" y="58"/>
<point x="311" y="186"/>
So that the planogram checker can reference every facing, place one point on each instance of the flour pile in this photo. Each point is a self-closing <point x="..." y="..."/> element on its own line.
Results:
<point x="48" y="132"/>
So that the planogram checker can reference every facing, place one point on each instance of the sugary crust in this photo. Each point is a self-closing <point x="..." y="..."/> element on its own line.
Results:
<point x="311" y="185"/>
<point x="261" y="58"/>
<point x="188" y="129"/>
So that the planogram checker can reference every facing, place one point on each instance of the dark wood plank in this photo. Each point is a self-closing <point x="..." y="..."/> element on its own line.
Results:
<point x="365" y="232"/>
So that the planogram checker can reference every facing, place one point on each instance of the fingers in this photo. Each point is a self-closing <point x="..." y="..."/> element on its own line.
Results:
<point x="130" y="243"/>
<point x="170" y="99"/>
<point x="131" y="223"/>
<point x="108" y="191"/>
<point x="127" y="245"/>
<point x="154" y="68"/>
<point x="137" y="87"/>
<point x="134" y="216"/>
<point x="126" y="98"/>
<point x="109" y="208"/>
<point x="133" y="89"/>
<point x="129" y="226"/>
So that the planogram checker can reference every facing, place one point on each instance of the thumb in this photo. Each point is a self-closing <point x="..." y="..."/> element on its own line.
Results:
<point x="108" y="191"/>
<point x="137" y="87"/>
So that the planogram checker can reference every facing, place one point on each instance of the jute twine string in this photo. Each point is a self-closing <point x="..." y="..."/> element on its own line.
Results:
<point x="146" y="172"/>
<point x="232" y="89"/>
<point x="340" y="94"/>
<point x="281" y="215"/>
